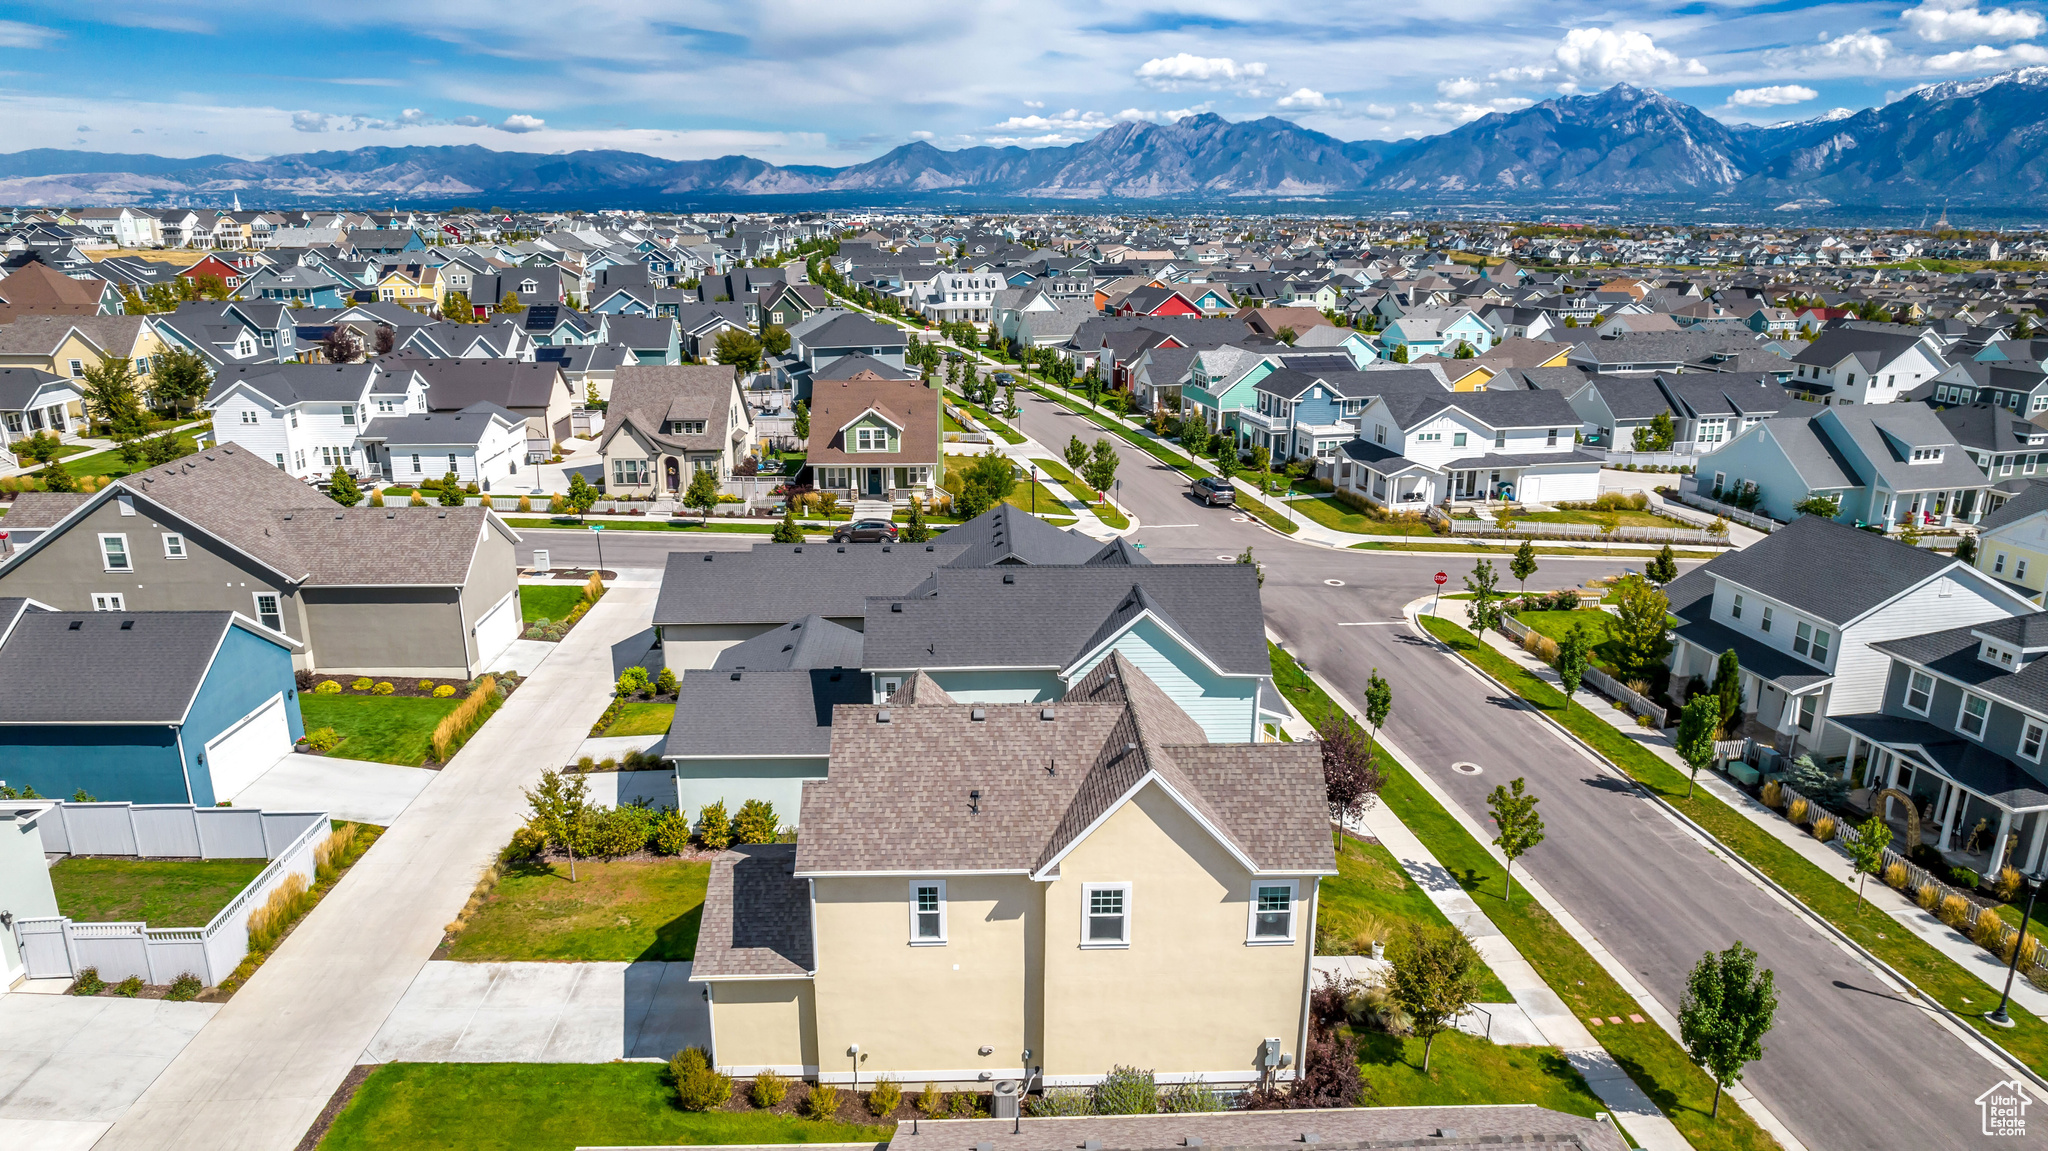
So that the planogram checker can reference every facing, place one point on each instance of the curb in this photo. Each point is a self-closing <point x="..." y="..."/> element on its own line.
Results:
<point x="1804" y="910"/>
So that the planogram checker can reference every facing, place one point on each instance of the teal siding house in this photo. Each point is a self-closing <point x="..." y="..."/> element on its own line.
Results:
<point x="206" y="703"/>
<point x="1435" y="331"/>
<point x="1223" y="383"/>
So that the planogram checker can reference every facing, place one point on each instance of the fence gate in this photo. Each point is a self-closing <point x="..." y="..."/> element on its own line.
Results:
<point x="43" y="949"/>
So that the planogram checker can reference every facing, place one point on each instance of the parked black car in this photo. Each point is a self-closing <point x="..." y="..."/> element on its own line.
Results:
<point x="1213" y="490"/>
<point x="865" y="532"/>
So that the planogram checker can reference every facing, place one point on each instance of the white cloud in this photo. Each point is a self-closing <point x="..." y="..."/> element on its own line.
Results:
<point x="1382" y="111"/>
<point x="1459" y="88"/>
<point x="1963" y="20"/>
<point x="1307" y="98"/>
<point x="1772" y="96"/>
<point x="412" y="116"/>
<point x="1606" y="54"/>
<point x="1528" y="74"/>
<point x="1171" y="73"/>
<point x="1461" y="112"/>
<point x="1166" y="117"/>
<point x="519" y="123"/>
<point x="1071" y="120"/>
<point x="1983" y="56"/>
<point x="468" y="121"/>
<point x="1034" y="103"/>
<point x="14" y="34"/>
<point x="309" y="122"/>
<point x="1859" y="47"/>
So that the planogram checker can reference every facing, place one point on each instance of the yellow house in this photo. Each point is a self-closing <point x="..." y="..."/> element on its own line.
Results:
<point x="70" y="345"/>
<point x="2012" y="543"/>
<point x="409" y="284"/>
<point x="1002" y="891"/>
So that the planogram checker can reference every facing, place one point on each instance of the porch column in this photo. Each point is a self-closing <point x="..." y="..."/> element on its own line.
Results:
<point x="1891" y="771"/>
<point x="2040" y="821"/>
<point x="1954" y="795"/>
<point x="1997" y="857"/>
<point x="1849" y="761"/>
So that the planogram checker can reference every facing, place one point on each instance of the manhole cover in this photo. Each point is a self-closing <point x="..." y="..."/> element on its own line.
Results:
<point x="1240" y="519"/>
<point x="1467" y="768"/>
<point x="1334" y="582"/>
<point x="1228" y="559"/>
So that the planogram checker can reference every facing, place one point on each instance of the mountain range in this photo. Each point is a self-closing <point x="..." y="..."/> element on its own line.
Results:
<point x="1978" y="141"/>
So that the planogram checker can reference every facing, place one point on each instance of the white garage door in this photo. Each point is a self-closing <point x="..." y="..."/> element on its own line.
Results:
<point x="237" y="756"/>
<point x="496" y="631"/>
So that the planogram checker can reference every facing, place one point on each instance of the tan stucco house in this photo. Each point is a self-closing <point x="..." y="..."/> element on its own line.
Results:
<point x="667" y="422"/>
<point x="986" y="890"/>
<point x="69" y="346"/>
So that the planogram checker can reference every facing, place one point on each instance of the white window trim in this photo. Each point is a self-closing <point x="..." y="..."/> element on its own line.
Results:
<point x="174" y="546"/>
<point x="943" y="936"/>
<point x="1907" y="700"/>
<point x="1252" y="937"/>
<point x="106" y="561"/>
<point x="1088" y="891"/>
<point x="109" y="601"/>
<point x="2032" y="726"/>
<point x="256" y="601"/>
<point x="1963" y="709"/>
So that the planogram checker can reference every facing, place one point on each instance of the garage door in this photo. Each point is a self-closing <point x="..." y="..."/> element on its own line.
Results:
<point x="237" y="756"/>
<point x="496" y="631"/>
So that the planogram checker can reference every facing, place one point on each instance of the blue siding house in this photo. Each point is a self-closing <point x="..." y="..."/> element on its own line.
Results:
<point x="146" y="707"/>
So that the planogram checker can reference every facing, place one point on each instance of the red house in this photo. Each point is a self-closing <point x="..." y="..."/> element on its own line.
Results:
<point x="229" y="274"/>
<point x="1156" y="301"/>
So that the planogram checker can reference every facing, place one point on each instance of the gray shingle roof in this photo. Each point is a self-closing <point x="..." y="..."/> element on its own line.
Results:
<point x="647" y="396"/>
<point x="1005" y="535"/>
<point x="455" y="384"/>
<point x="288" y="384"/>
<point x="2033" y="499"/>
<point x="437" y="429"/>
<point x="1826" y="569"/>
<point x="724" y="712"/>
<point x="1878" y="430"/>
<point x="161" y="658"/>
<point x="757" y="916"/>
<point x="812" y="641"/>
<point x="1965" y="761"/>
<point x="776" y="583"/>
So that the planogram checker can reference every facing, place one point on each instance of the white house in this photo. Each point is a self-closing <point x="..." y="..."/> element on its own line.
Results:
<point x="308" y="418"/>
<point x="1860" y="366"/>
<point x="961" y="296"/>
<point x="1417" y="447"/>
<point x="483" y="444"/>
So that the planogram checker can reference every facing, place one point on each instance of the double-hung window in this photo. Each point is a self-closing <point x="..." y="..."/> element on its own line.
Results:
<point x="2031" y="739"/>
<point x="1970" y="721"/>
<point x="174" y="546"/>
<point x="1919" y="692"/>
<point x="1106" y="915"/>
<point x="1765" y="622"/>
<point x="1811" y="642"/>
<point x="1735" y="608"/>
<point x="927" y="911"/>
<point x="1272" y="913"/>
<point x="114" y="553"/>
<point x="267" y="611"/>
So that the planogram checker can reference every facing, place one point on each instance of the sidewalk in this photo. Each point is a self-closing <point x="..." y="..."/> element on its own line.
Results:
<point x="261" y="1071"/>
<point x="1988" y="968"/>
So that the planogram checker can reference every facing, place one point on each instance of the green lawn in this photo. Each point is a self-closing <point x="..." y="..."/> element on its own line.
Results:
<point x="1465" y="1070"/>
<point x="951" y="424"/>
<point x="1446" y="543"/>
<point x="548" y="601"/>
<point x="990" y="422"/>
<point x="1556" y="624"/>
<point x="1627" y="517"/>
<point x="1326" y="511"/>
<point x="1650" y="1056"/>
<point x="1371" y="883"/>
<point x="1019" y="497"/>
<point x="652" y="525"/>
<point x="1934" y="973"/>
<point x="549" y="1107"/>
<point x="108" y="463"/>
<point x="378" y="728"/>
<point x="618" y="910"/>
<point x="159" y="892"/>
<point x="643" y="719"/>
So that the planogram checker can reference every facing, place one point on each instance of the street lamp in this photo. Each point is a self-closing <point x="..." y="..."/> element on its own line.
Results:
<point x="1998" y="1017"/>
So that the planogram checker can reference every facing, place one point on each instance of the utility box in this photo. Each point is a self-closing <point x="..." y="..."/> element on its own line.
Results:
<point x="1002" y="1101"/>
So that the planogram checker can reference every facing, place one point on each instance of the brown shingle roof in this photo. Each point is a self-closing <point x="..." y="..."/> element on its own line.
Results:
<point x="38" y="289"/>
<point x="757" y="916"/>
<point x="898" y="797"/>
<point x="906" y="403"/>
<point x="649" y="395"/>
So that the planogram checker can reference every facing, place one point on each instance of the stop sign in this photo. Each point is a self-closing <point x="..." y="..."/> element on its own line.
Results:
<point x="1441" y="579"/>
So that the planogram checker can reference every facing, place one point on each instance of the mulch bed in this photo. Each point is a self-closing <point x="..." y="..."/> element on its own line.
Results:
<point x="336" y="1104"/>
<point x="581" y="574"/>
<point x="408" y="687"/>
<point x="853" y="1106"/>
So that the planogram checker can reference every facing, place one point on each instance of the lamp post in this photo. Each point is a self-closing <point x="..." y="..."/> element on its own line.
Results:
<point x="598" y="529"/>
<point x="1998" y="1017"/>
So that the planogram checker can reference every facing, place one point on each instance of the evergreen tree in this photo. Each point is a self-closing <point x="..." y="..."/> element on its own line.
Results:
<point x="1664" y="568"/>
<point x="342" y="489"/>
<point x="916" y="531"/>
<point x="451" y="495"/>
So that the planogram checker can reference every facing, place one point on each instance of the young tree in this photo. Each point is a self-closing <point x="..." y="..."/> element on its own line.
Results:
<point x="342" y="489"/>
<point x="55" y="478"/>
<point x="1826" y="507"/>
<point x="1514" y="813"/>
<point x="739" y="348"/>
<point x="803" y="421"/>
<point x="1077" y="457"/>
<point x="385" y="339"/>
<point x="559" y="804"/>
<point x="774" y="340"/>
<point x="455" y="306"/>
<point x="1400" y="355"/>
<point x="1351" y="776"/>
<point x="988" y="481"/>
<point x="1866" y="850"/>
<point x="509" y="305"/>
<point x="581" y="496"/>
<point x="340" y="345"/>
<point x="702" y="493"/>
<point x="1100" y="471"/>
<point x="1379" y="701"/>
<point x="1484" y="584"/>
<point x="1194" y="435"/>
<point x="1663" y="568"/>
<point x="181" y="380"/>
<point x="1523" y="565"/>
<point x="1656" y="436"/>
<point x="1433" y="976"/>
<point x="1262" y="463"/>
<point x="1639" y="625"/>
<point x="1727" y="1009"/>
<point x="1227" y="462"/>
<point x="1698" y="723"/>
<point x="110" y="396"/>
<point x="916" y="531"/>
<point x="1258" y="569"/>
<point x="1728" y="688"/>
<point x="787" y="532"/>
<point x="451" y="495"/>
<point x="1572" y="653"/>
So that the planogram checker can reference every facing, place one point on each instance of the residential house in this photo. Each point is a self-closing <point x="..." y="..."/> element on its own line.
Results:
<point x="2018" y="385"/>
<point x="1857" y="366"/>
<point x="1884" y="464"/>
<point x="34" y="401"/>
<point x="959" y="297"/>
<point x="127" y="227"/>
<point x="817" y="340"/>
<point x="1416" y="447"/>
<point x="482" y="444"/>
<point x="1300" y="411"/>
<point x="366" y="591"/>
<point x="535" y="391"/>
<point x="36" y="289"/>
<point x="2011" y="450"/>
<point x="2012" y="542"/>
<point x="307" y="419"/>
<point x="1434" y="330"/>
<point x="652" y="339"/>
<point x="70" y="346"/>
<point x="665" y="423"/>
<point x="1156" y="300"/>
<point x="876" y="439"/>
<point x="1063" y="853"/>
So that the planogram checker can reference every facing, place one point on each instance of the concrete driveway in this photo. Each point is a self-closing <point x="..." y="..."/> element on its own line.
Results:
<point x="343" y="788"/>
<point x="544" y="1013"/>
<point x="69" y="1067"/>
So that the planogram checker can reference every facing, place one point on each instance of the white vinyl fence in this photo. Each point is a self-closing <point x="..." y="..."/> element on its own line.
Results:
<point x="1594" y="678"/>
<point x="1726" y="511"/>
<point x="57" y="948"/>
<point x="1524" y="529"/>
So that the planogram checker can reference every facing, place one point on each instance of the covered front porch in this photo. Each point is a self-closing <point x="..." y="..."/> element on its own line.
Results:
<point x="1979" y="809"/>
<point x="1937" y="508"/>
<point x="1546" y="477"/>
<point x="1784" y="699"/>
<point x="1384" y="477"/>
<point x="897" y="483"/>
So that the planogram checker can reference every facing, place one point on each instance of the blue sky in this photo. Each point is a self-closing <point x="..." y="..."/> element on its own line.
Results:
<point x="806" y="81"/>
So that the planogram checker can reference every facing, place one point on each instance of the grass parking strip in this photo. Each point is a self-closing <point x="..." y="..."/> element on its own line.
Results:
<point x="1936" y="975"/>
<point x="1650" y="1056"/>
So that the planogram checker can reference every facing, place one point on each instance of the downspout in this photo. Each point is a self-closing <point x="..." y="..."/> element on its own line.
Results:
<point x="1308" y="975"/>
<point x="184" y="765"/>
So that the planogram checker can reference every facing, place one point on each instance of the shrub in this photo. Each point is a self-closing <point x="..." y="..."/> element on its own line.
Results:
<point x="362" y="683"/>
<point x="965" y="1105"/>
<point x="88" y="982"/>
<point x="1060" y="1102"/>
<point x="327" y="687"/>
<point x="1954" y="910"/>
<point x="769" y="1089"/>
<point x="1126" y="1091"/>
<point x="323" y="739"/>
<point x="2006" y="885"/>
<point x="303" y="678"/>
<point x="665" y="683"/>
<point x="383" y="689"/>
<point x="443" y="691"/>
<point x="619" y="831"/>
<point x="1928" y="897"/>
<point x="457" y="726"/>
<point x="634" y="681"/>
<point x="287" y="902"/>
<point x="426" y="685"/>
<point x="184" y="988"/>
<point x="2029" y="945"/>
<point x="755" y="823"/>
<point x="699" y="1086"/>
<point x="129" y="987"/>
<point x="1797" y="812"/>
<point x="526" y="843"/>
<point x="1963" y="877"/>
<point x="1988" y="932"/>
<point x="1773" y="794"/>
<point x="671" y="833"/>
<point x="714" y="827"/>
<point x="885" y="1098"/>
<point x="333" y="853"/>
<point x="931" y="1102"/>
<point x="1824" y="828"/>
<point x="1895" y="876"/>
<point x="822" y="1103"/>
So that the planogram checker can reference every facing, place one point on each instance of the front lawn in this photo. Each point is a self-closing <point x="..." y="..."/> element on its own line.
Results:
<point x="549" y="1107"/>
<point x="378" y="728"/>
<point x="643" y="719"/>
<point x="159" y="892"/>
<point x="547" y="601"/>
<point x="1020" y="496"/>
<point x="108" y="463"/>
<point x="1555" y="625"/>
<point x="1326" y="511"/>
<point x="1626" y="517"/>
<point x="617" y="910"/>
<point x="1370" y="884"/>
<point x="1105" y="511"/>
<point x="1465" y="1070"/>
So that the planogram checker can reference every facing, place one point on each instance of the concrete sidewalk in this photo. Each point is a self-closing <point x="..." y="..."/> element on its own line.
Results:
<point x="70" y="1066"/>
<point x="259" y="1074"/>
<point x="544" y="1013"/>
<point x="343" y="788"/>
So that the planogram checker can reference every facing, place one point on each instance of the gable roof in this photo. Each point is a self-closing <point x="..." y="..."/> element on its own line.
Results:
<point x="810" y="642"/>
<point x="1006" y="535"/>
<point x="757" y="917"/>
<point x="909" y="404"/>
<point x="776" y="583"/>
<point x="1862" y="569"/>
<point x="44" y="659"/>
<point x="649" y="396"/>
<point x="454" y="384"/>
